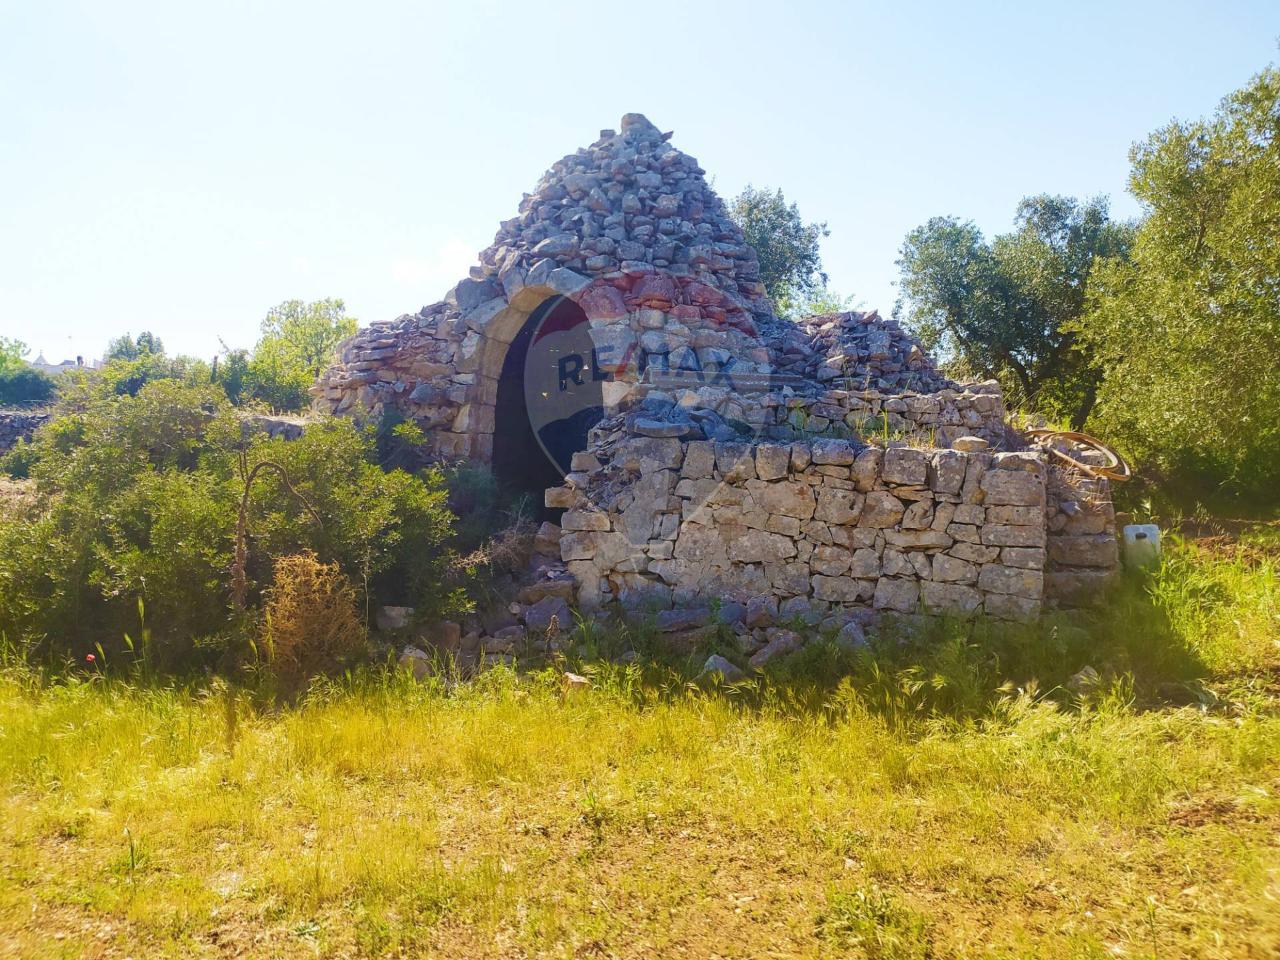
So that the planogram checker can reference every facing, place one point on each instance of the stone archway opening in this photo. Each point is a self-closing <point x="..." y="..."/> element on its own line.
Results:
<point x="549" y="396"/>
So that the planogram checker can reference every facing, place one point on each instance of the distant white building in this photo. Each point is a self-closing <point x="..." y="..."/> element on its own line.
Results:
<point x="53" y="369"/>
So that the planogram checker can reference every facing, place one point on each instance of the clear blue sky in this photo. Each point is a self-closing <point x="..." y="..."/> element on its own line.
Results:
<point x="182" y="167"/>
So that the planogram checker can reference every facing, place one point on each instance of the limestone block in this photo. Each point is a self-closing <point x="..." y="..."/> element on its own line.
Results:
<point x="788" y="579"/>
<point x="1095" y="550"/>
<point x="702" y="543"/>
<point x="942" y="516"/>
<point x="906" y="540"/>
<point x="881" y="509"/>
<point x="645" y="454"/>
<point x="787" y="526"/>
<point x="1028" y="558"/>
<point x="946" y="471"/>
<point x="801" y="456"/>
<point x="762" y="611"/>
<point x="972" y="513"/>
<point x="865" y="471"/>
<point x="1005" y="535"/>
<point x="584" y="461"/>
<point x="780" y="643"/>
<point x="921" y="564"/>
<point x="833" y="452"/>
<point x="815" y="531"/>
<point x="969" y="444"/>
<point x="478" y="317"/>
<point x="974" y="553"/>
<point x="789" y="498"/>
<point x="894" y="563"/>
<point x="584" y="520"/>
<point x="1015" y="487"/>
<point x="838" y="589"/>
<point x="918" y="516"/>
<point x="638" y="593"/>
<point x="474" y="418"/>
<point x="1023" y="461"/>
<point x="952" y="569"/>
<point x="952" y="599"/>
<point x="906" y="465"/>
<point x="698" y="491"/>
<point x="557" y="498"/>
<point x="1078" y="587"/>
<point x="971" y="492"/>
<point x="838" y="506"/>
<point x="831" y="561"/>
<point x="1009" y="607"/>
<point x="1019" y="516"/>
<point x="1090" y="522"/>
<point x="897" y="594"/>
<point x="699" y="460"/>
<point x="660" y="549"/>
<point x="547" y="540"/>
<point x="997" y="578"/>
<point x="772" y="461"/>
<point x="735" y="462"/>
<point x="864" y="562"/>
<point x="760" y="546"/>
<point x="861" y="536"/>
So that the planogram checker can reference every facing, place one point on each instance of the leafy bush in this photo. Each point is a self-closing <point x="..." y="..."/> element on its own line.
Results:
<point x="137" y="497"/>
<point x="312" y="627"/>
<point x="25" y="386"/>
<point x="297" y="344"/>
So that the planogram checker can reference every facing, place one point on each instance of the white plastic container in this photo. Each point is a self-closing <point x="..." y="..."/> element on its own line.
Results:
<point x="1141" y="545"/>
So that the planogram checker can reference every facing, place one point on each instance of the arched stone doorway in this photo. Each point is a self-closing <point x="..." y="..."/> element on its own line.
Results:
<point x="549" y="395"/>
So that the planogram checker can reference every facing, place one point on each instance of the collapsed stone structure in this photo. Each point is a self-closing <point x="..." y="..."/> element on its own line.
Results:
<point x="18" y="425"/>
<point x="615" y="348"/>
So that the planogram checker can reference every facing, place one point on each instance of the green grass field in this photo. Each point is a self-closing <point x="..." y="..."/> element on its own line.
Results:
<point x="950" y="799"/>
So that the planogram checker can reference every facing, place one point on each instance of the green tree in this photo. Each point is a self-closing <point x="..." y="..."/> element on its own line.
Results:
<point x="231" y="372"/>
<point x="1005" y="309"/>
<point x="1188" y="331"/>
<point x="12" y="353"/>
<point x="788" y="248"/>
<point x="126" y="347"/>
<point x="298" y="342"/>
<point x="20" y="383"/>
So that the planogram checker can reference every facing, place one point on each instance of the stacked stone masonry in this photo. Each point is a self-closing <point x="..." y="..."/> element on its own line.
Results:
<point x="821" y="526"/>
<point x="821" y="463"/>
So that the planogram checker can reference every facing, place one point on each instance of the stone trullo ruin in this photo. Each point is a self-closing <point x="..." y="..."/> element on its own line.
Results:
<point x="615" y="352"/>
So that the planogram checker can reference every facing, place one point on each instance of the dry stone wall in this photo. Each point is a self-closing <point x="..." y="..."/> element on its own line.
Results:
<point x="819" y="527"/>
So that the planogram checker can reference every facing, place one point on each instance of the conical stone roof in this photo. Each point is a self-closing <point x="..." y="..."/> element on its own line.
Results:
<point x="629" y="230"/>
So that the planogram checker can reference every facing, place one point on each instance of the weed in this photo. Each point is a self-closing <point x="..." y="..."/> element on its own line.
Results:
<point x="877" y="924"/>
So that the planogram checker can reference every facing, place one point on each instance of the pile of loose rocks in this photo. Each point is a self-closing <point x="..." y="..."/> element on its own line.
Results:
<point x="858" y="350"/>
<point x="18" y="425"/>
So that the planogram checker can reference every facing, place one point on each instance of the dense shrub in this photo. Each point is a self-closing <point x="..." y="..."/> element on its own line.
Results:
<point x="25" y="386"/>
<point x="137" y="498"/>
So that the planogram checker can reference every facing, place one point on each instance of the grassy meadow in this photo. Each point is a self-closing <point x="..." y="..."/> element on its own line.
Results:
<point x="959" y="797"/>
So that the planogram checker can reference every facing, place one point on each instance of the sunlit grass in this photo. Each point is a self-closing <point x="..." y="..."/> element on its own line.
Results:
<point x="914" y="809"/>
